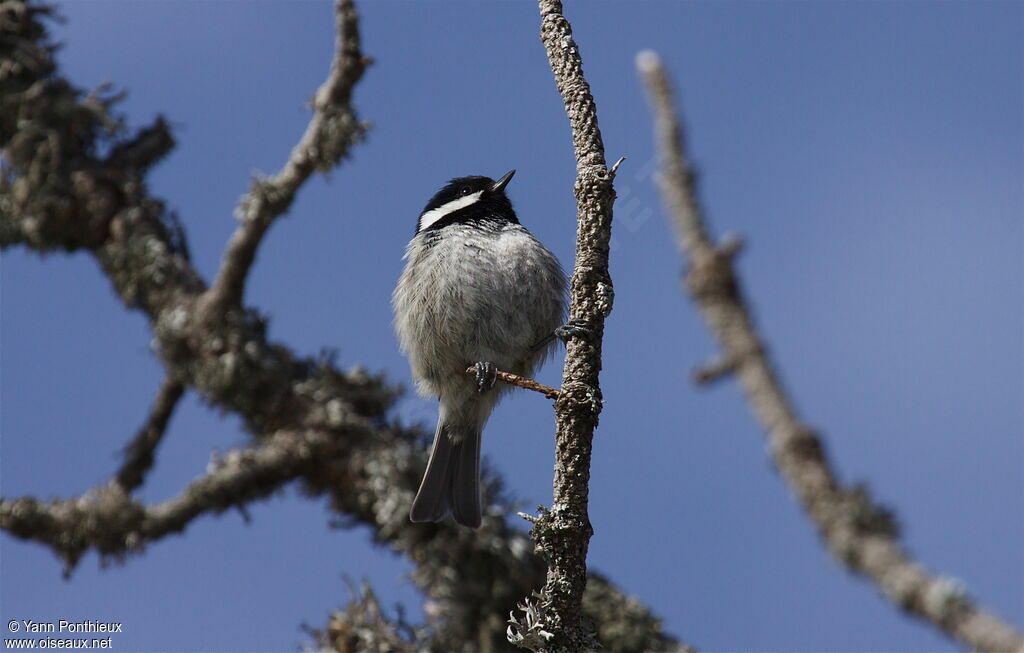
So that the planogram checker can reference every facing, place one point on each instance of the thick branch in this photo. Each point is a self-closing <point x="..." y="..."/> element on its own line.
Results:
<point x="138" y="455"/>
<point x="563" y="533"/>
<point x="331" y="133"/>
<point x="860" y="534"/>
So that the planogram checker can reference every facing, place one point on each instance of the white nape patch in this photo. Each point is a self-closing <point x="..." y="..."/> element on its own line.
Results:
<point x="433" y="215"/>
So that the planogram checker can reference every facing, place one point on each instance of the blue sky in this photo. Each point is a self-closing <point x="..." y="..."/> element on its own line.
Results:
<point x="869" y="152"/>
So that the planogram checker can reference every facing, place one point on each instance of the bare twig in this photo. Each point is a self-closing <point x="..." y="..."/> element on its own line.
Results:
<point x="860" y="534"/>
<point x="562" y="534"/>
<point x="138" y="455"/>
<point x="522" y="382"/>
<point x="715" y="370"/>
<point x="332" y="131"/>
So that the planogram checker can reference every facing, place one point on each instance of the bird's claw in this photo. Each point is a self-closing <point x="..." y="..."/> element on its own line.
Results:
<point x="486" y="375"/>
<point x="573" y="329"/>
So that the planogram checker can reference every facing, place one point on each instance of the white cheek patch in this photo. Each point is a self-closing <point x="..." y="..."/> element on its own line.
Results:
<point x="433" y="215"/>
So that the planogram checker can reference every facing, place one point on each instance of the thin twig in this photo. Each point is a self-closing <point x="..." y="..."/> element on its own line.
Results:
<point x="138" y="455"/>
<point x="522" y="382"/>
<point x="562" y="534"/>
<point x="860" y="534"/>
<point x="332" y="131"/>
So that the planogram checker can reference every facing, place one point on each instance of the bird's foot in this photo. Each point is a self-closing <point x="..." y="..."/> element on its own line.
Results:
<point x="486" y="375"/>
<point x="568" y="330"/>
<point x="573" y="329"/>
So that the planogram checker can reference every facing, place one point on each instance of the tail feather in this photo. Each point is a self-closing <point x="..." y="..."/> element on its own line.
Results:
<point x="432" y="502"/>
<point x="465" y="488"/>
<point x="451" y="483"/>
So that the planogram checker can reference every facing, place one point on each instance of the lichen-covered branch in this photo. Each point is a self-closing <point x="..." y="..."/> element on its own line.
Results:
<point x="108" y="520"/>
<point x="314" y="424"/>
<point x="331" y="133"/>
<point x="472" y="579"/>
<point x="861" y="535"/>
<point x="562" y="534"/>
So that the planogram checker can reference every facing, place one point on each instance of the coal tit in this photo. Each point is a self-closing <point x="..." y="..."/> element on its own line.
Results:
<point x="477" y="290"/>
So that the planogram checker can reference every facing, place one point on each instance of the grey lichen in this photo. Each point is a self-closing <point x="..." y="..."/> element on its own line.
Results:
<point x="528" y="631"/>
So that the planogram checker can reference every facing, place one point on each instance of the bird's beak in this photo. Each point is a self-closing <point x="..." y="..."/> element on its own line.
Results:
<point x="501" y="183"/>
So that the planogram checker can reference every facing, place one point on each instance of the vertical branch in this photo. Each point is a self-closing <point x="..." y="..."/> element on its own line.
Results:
<point x="562" y="534"/>
<point x="861" y="535"/>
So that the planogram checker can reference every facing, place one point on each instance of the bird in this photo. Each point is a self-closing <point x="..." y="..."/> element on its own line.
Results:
<point x="477" y="290"/>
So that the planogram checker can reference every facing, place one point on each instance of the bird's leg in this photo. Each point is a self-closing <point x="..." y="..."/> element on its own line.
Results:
<point x="486" y="375"/>
<point x="572" y="328"/>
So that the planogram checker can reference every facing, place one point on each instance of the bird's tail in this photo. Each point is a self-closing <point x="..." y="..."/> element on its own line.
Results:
<point x="451" y="483"/>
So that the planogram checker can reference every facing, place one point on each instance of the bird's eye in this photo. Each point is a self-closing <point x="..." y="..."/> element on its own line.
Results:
<point x="464" y="191"/>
